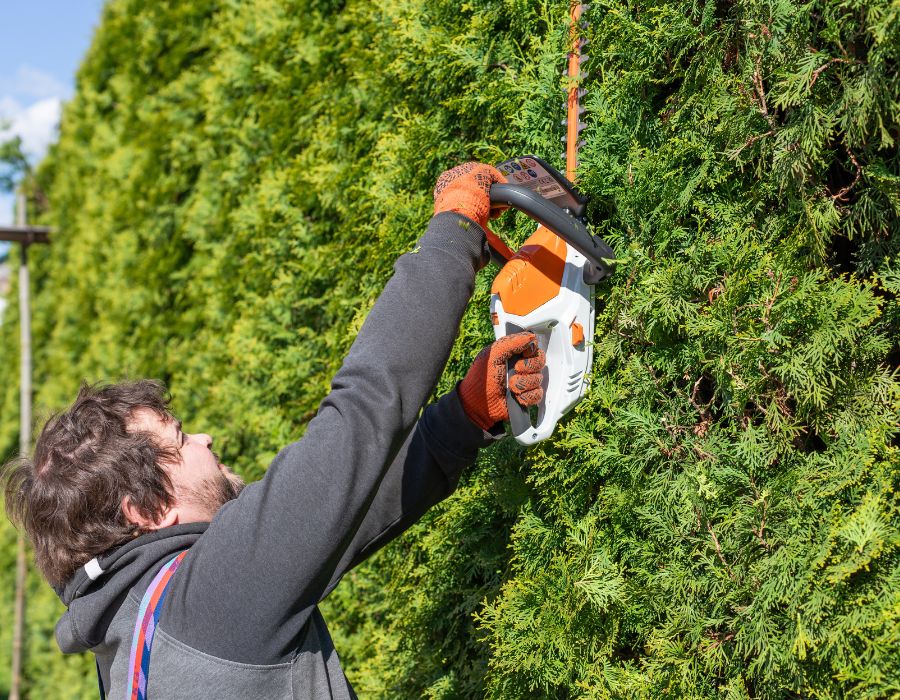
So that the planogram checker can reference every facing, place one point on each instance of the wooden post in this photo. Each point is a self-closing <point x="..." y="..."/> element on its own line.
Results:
<point x="24" y="447"/>
<point x="25" y="236"/>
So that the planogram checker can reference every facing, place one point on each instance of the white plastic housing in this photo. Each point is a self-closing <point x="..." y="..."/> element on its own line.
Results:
<point x="567" y="369"/>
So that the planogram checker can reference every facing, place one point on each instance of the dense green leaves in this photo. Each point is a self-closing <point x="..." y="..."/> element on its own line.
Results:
<point x="13" y="163"/>
<point x="719" y="517"/>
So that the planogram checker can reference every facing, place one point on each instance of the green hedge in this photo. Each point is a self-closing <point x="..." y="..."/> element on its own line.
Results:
<point x="719" y="518"/>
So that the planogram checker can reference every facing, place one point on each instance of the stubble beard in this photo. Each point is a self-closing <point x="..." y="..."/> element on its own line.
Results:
<point x="215" y="491"/>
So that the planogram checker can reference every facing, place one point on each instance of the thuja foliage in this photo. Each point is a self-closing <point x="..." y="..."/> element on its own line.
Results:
<point x="719" y="517"/>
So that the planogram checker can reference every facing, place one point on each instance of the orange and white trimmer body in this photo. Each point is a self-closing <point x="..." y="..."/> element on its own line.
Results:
<point x="542" y="289"/>
<point x="547" y="287"/>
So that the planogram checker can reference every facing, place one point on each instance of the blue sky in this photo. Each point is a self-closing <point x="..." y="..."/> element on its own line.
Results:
<point x="41" y="45"/>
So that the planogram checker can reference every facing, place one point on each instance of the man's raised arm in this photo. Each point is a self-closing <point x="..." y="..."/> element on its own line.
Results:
<point x="250" y="583"/>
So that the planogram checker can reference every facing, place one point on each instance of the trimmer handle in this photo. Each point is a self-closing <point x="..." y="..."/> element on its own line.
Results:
<point x="558" y="220"/>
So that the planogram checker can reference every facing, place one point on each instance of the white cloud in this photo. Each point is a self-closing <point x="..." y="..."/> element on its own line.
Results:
<point x="30" y="107"/>
<point x="36" y="124"/>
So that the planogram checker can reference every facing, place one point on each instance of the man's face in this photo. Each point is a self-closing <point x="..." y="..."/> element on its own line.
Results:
<point x="201" y="483"/>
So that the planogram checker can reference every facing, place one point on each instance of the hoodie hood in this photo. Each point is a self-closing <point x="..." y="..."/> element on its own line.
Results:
<point x="96" y="591"/>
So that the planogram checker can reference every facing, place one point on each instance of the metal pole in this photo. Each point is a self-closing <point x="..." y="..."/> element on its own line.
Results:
<point x="24" y="446"/>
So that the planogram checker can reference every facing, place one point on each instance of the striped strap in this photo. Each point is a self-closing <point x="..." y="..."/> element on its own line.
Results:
<point x="145" y="628"/>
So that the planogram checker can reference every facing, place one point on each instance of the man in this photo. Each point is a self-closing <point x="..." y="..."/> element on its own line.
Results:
<point x="116" y="489"/>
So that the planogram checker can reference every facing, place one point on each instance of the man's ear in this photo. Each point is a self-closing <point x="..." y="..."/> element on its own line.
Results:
<point x="169" y="516"/>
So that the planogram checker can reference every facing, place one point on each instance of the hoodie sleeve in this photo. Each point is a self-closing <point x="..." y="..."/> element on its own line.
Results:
<point x="426" y="470"/>
<point x="365" y="469"/>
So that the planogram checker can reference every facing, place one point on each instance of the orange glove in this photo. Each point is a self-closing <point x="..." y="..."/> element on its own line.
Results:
<point x="483" y="390"/>
<point x="466" y="190"/>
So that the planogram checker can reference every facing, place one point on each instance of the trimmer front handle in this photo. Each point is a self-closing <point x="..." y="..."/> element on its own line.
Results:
<point x="561" y="222"/>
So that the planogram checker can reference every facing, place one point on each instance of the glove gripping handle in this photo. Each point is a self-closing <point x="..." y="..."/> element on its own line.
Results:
<point x="519" y="417"/>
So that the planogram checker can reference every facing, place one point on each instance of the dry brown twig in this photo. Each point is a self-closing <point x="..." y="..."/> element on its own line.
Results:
<point x="761" y="93"/>
<point x="719" y="550"/>
<point x="750" y="142"/>
<point x="714" y="293"/>
<point x="842" y="194"/>
<point x="700" y="452"/>
<point x="701" y="428"/>
<point x="767" y="307"/>
<point x="762" y="526"/>
<point x="719" y="638"/>
<point x="818" y="71"/>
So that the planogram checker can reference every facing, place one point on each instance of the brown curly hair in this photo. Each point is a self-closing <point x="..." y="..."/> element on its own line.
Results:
<point x="69" y="496"/>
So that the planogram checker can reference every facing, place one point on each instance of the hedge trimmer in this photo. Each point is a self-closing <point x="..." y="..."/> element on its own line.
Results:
<point x="547" y="286"/>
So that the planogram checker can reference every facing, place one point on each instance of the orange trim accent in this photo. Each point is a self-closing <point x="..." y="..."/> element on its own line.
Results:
<point x="495" y="318"/>
<point x="572" y="104"/>
<point x="534" y="275"/>
<point x="495" y="242"/>
<point x="577" y="334"/>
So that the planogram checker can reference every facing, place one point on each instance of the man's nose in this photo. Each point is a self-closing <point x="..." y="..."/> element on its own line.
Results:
<point x="203" y="438"/>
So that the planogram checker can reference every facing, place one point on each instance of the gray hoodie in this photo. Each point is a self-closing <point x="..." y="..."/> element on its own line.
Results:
<point x="241" y="619"/>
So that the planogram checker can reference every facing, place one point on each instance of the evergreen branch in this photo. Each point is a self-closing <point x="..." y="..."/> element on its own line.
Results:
<point x="771" y="301"/>
<point x="818" y="71"/>
<point x="717" y="546"/>
<point x="842" y="194"/>
<point x="719" y="638"/>
<point x="766" y="305"/>
<point x="738" y="382"/>
<point x="673" y="431"/>
<point x="781" y="394"/>
<point x="753" y="139"/>
<point x="761" y="93"/>
<point x="644" y="343"/>
<point x="701" y="428"/>
<point x="762" y="524"/>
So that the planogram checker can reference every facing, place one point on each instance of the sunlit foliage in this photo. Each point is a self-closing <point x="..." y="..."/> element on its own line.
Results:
<point x="719" y="518"/>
